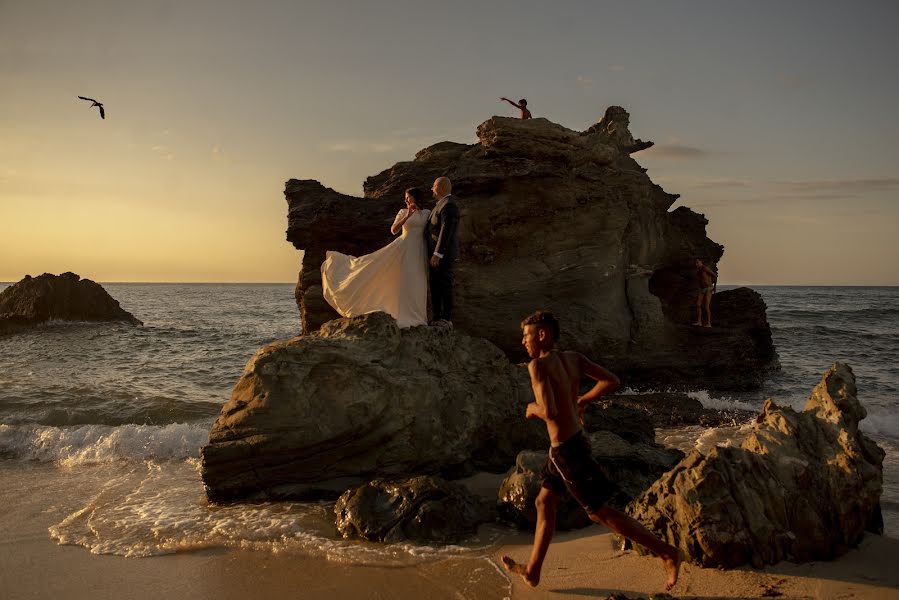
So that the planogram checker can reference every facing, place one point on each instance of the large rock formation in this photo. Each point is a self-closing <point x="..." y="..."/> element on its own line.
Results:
<point x="67" y="297"/>
<point x="801" y="487"/>
<point x="362" y="399"/>
<point x="561" y="220"/>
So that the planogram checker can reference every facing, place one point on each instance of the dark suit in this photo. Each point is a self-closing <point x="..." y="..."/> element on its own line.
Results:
<point x="440" y="233"/>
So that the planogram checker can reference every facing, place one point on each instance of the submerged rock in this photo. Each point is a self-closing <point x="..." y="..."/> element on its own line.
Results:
<point x="801" y="487"/>
<point x="66" y="297"/>
<point x="361" y="399"/>
<point x="563" y="220"/>
<point x="421" y="509"/>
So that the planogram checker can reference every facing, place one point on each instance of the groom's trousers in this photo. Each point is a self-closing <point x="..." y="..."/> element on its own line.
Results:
<point x="441" y="280"/>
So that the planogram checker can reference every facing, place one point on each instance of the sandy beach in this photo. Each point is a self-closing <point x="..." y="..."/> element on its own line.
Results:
<point x="580" y="564"/>
<point x="584" y="564"/>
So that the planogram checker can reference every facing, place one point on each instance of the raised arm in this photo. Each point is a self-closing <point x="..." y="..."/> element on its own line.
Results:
<point x="606" y="382"/>
<point x="544" y="406"/>
<point x="515" y="104"/>
<point x="401" y="217"/>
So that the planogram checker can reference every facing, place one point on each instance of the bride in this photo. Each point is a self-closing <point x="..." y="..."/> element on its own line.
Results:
<point x="393" y="279"/>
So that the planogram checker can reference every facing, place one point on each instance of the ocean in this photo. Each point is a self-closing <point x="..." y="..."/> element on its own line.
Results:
<point x="100" y="424"/>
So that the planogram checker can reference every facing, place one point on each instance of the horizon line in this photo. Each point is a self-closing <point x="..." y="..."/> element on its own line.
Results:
<point x="729" y="284"/>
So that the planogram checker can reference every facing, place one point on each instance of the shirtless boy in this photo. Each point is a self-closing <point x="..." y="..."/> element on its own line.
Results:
<point x="707" y="284"/>
<point x="521" y="105"/>
<point x="555" y="378"/>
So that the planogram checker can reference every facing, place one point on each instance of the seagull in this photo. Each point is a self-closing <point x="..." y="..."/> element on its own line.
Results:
<point x="95" y="103"/>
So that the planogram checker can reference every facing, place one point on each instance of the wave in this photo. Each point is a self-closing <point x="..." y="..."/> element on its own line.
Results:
<point x="72" y="406"/>
<point x="723" y="404"/>
<point x="153" y="508"/>
<point x="844" y="313"/>
<point x="91" y="444"/>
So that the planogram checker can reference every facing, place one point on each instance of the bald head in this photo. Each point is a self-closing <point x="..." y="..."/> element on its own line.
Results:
<point x="442" y="187"/>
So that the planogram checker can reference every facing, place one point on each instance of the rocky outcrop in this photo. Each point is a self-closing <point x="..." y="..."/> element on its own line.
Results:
<point x="67" y="297"/>
<point x="631" y="466"/>
<point x="666" y="409"/>
<point x="361" y="399"/>
<point x="629" y="423"/>
<point x="563" y="220"/>
<point x="801" y="487"/>
<point x="421" y="509"/>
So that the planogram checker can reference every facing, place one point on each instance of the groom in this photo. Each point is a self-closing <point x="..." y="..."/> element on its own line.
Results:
<point x="443" y="248"/>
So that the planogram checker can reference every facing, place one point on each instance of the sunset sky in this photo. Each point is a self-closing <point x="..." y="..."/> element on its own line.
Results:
<point x="777" y="120"/>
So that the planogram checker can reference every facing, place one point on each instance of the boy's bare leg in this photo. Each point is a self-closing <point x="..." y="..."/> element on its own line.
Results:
<point x="624" y="525"/>
<point x="547" y="502"/>
<point x="707" y="301"/>
<point x="698" y="320"/>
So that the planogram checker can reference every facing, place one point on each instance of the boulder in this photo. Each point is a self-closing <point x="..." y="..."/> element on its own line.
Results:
<point x="801" y="486"/>
<point x="631" y="424"/>
<point x="632" y="467"/>
<point x="563" y="220"/>
<point x="420" y="509"/>
<point x="361" y="399"/>
<point x="66" y="297"/>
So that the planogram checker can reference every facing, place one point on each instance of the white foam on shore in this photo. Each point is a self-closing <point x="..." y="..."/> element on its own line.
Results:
<point x="160" y="508"/>
<point x="87" y="444"/>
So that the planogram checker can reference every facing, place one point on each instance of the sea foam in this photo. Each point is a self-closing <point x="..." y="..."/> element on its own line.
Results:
<point x="86" y="444"/>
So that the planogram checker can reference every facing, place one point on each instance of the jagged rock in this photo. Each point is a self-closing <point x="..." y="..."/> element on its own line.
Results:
<point x="66" y="297"/>
<point x="362" y="399"/>
<point x="670" y="409"/>
<point x="422" y="509"/>
<point x="801" y="487"/>
<point x="561" y="220"/>
<point x="632" y="467"/>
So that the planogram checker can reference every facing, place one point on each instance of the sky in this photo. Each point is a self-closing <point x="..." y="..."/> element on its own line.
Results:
<point x="776" y="120"/>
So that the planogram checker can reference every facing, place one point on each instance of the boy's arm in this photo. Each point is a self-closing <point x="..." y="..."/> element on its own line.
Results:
<point x="545" y="405"/>
<point x="606" y="382"/>
<point x="510" y="102"/>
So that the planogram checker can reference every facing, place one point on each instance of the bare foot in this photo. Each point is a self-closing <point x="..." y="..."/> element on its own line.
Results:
<point x="672" y="567"/>
<point x="697" y="324"/>
<point x="709" y="325"/>
<point x="514" y="567"/>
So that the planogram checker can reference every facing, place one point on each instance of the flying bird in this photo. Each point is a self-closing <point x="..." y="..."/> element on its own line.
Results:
<point x="95" y="103"/>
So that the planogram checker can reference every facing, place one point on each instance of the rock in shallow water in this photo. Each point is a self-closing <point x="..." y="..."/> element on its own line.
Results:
<point x="421" y="509"/>
<point x="801" y="487"/>
<point x="362" y="399"/>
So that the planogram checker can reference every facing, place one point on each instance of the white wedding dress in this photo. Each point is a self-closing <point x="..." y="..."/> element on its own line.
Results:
<point x="393" y="279"/>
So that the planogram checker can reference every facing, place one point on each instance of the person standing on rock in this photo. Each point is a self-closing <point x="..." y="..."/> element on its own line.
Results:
<point x="708" y="281"/>
<point x="521" y="105"/>
<point x="443" y="248"/>
<point x="555" y="378"/>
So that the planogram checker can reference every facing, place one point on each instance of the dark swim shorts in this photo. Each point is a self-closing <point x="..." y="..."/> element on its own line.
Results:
<point x="571" y="466"/>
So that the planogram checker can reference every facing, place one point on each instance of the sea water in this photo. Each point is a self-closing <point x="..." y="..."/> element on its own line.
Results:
<point x="109" y="418"/>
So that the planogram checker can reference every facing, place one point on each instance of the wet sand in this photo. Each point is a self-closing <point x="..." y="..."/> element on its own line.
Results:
<point x="579" y="564"/>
